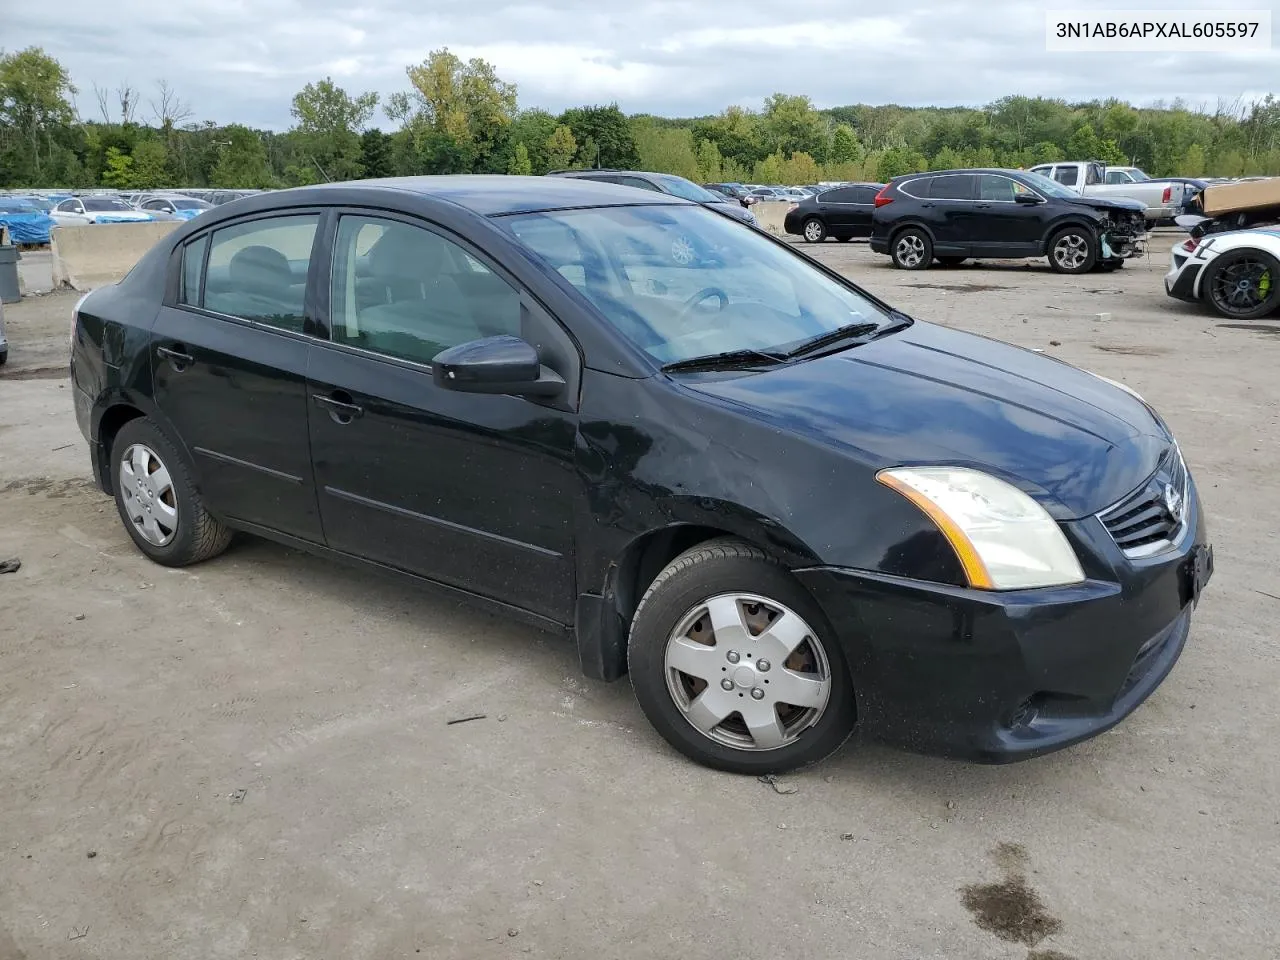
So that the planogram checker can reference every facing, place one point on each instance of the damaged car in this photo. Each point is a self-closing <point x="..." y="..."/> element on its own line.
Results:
<point x="950" y="216"/>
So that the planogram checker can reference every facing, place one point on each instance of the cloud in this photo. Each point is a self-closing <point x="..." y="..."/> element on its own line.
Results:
<point x="242" y="60"/>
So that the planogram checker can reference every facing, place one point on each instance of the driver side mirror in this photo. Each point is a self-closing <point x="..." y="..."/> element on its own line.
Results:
<point x="1027" y="198"/>
<point x="503" y="365"/>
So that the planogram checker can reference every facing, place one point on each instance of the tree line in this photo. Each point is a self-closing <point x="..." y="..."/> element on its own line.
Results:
<point x="460" y="117"/>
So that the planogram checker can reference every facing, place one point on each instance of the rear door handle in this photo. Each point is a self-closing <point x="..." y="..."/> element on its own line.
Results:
<point x="340" y="410"/>
<point x="176" y="357"/>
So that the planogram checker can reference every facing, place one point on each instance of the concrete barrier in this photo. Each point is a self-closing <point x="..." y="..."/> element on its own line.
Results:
<point x="771" y="213"/>
<point x="98" y="254"/>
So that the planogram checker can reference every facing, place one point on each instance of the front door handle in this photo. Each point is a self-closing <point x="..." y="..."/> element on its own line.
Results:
<point x="340" y="407"/>
<point x="176" y="357"/>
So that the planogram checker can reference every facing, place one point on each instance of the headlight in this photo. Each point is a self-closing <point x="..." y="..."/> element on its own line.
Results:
<point x="1003" y="539"/>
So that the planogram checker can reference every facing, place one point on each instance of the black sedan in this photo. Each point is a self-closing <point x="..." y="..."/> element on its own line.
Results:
<point x="788" y="510"/>
<point x="842" y="212"/>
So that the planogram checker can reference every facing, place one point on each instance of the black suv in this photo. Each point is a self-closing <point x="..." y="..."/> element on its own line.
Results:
<point x="842" y="212"/>
<point x="667" y="183"/>
<point x="951" y="215"/>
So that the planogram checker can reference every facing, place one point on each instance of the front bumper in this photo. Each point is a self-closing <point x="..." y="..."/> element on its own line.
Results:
<point x="1183" y="279"/>
<point x="998" y="677"/>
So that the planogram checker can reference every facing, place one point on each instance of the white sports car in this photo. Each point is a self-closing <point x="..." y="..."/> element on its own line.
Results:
<point x="1236" y="273"/>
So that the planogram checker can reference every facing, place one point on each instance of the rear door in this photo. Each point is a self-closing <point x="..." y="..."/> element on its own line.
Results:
<point x="472" y="490"/>
<point x="229" y="356"/>
<point x="952" y="214"/>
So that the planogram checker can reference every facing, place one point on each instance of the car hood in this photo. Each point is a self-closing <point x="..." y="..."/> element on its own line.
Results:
<point x="1108" y="203"/>
<point x="733" y="209"/>
<point x="927" y="395"/>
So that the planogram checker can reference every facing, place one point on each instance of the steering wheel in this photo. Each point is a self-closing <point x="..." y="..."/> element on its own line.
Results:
<point x="697" y="298"/>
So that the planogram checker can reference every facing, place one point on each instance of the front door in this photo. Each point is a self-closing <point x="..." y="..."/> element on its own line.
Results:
<point x="1003" y="227"/>
<point x="472" y="490"/>
<point x="229" y="362"/>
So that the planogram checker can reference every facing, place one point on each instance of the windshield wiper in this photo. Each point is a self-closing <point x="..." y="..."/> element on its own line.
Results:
<point x="848" y="332"/>
<point x="730" y="360"/>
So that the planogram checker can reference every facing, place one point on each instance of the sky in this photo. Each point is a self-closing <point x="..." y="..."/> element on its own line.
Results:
<point x="242" y="60"/>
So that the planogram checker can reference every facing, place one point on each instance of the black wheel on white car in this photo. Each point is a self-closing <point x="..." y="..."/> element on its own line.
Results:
<point x="1073" y="250"/>
<point x="158" y="500"/>
<point x="735" y="665"/>
<point x="815" y="231"/>
<point x="911" y="249"/>
<point x="1243" y="284"/>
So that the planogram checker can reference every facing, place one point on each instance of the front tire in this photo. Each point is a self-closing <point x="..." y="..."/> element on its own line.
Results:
<point x="158" y="501"/>
<point x="814" y="230"/>
<point x="912" y="249"/>
<point x="1243" y="284"/>
<point x="735" y="664"/>
<point x="1073" y="250"/>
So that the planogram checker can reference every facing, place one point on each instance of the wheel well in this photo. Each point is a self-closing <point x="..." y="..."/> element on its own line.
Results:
<point x="1061" y="225"/>
<point x="909" y="225"/>
<point x="647" y="557"/>
<point x="111" y="423"/>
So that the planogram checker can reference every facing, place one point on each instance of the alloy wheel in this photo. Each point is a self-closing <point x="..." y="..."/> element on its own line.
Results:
<point x="150" y="500"/>
<point x="1071" y="251"/>
<point x="1242" y="286"/>
<point x="813" y="231"/>
<point x="747" y="672"/>
<point x="909" y="250"/>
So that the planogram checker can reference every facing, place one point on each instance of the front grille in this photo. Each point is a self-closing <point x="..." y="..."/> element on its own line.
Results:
<point x="1152" y="517"/>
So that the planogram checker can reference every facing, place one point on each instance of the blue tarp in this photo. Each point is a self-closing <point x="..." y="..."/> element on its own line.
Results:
<point x="108" y="218"/>
<point x="27" y="227"/>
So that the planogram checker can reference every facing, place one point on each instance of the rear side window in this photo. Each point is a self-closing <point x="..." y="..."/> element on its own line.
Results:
<point x="192" y="270"/>
<point x="952" y="187"/>
<point x="1068" y="176"/>
<point x="918" y="188"/>
<point x="258" y="270"/>
<point x="841" y="195"/>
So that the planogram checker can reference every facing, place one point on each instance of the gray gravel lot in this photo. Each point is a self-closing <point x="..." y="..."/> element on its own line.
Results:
<point x="250" y="758"/>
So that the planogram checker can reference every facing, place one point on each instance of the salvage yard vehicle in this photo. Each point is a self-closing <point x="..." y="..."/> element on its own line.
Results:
<point x="1163" y="200"/>
<point x="952" y="215"/>
<point x="76" y="211"/>
<point x="1236" y="273"/>
<point x="842" y="212"/>
<point x="787" y="510"/>
<point x="667" y="183"/>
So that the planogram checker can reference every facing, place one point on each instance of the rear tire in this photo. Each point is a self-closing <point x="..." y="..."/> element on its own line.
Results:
<point x="814" y="230"/>
<point x="911" y="249"/>
<point x="1073" y="249"/>
<point x="718" y="684"/>
<point x="1243" y="284"/>
<point x="157" y="498"/>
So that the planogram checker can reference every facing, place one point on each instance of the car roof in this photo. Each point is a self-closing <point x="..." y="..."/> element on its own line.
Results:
<point x="938" y="173"/>
<point x="495" y="195"/>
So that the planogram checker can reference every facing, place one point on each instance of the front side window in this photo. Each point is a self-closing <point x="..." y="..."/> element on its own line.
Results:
<point x="69" y="206"/>
<point x="997" y="189"/>
<point x="405" y="292"/>
<point x="258" y="270"/>
<point x="105" y="204"/>
<point x="683" y="282"/>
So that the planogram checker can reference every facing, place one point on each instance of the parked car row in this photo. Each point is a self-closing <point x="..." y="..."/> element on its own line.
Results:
<point x="667" y="183"/>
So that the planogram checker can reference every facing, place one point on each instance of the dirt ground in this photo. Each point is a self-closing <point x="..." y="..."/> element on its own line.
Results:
<point x="251" y="758"/>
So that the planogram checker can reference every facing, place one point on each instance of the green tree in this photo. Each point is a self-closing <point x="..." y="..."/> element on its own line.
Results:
<point x="736" y="134"/>
<point x="790" y="124"/>
<point x="466" y="103"/>
<point x="844" y="144"/>
<point x="35" y="92"/>
<point x="1084" y="143"/>
<point x="946" y="159"/>
<point x="119" y="171"/>
<point x="665" y="150"/>
<point x="375" y="153"/>
<point x="612" y="143"/>
<point x="800" y="168"/>
<point x="560" y="148"/>
<point x="1193" y="162"/>
<point x="520" y="164"/>
<point x="150" y="165"/>
<point x="769" y="170"/>
<point x="242" y="160"/>
<point x="328" y="121"/>
<point x="710" y="163"/>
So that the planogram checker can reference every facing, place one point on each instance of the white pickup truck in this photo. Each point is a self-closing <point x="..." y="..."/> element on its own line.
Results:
<point x="1163" y="199"/>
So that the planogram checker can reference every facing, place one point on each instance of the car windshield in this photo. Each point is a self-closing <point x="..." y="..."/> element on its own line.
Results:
<point x="1137" y="174"/>
<point x="105" y="203"/>
<point x="1048" y="187"/>
<point x="13" y="205"/>
<point x="683" y="282"/>
<point x="190" y="204"/>
<point x="686" y="190"/>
